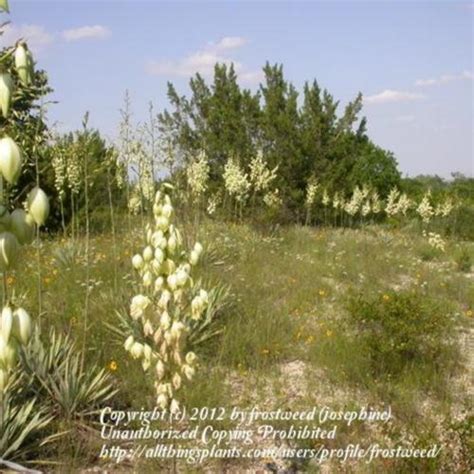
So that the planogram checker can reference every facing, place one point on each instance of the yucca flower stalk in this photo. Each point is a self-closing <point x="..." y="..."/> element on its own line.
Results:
<point x="236" y="183"/>
<point x="197" y="179"/>
<point x="425" y="209"/>
<point x="166" y="304"/>
<point x="125" y="147"/>
<point x="391" y="206"/>
<point x="404" y="205"/>
<point x="59" y="163"/>
<point x="311" y="191"/>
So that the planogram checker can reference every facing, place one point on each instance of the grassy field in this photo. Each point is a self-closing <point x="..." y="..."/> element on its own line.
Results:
<point x="299" y="325"/>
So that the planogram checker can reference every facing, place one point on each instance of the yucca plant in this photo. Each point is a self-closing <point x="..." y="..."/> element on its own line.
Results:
<point x="20" y="423"/>
<point x="54" y="373"/>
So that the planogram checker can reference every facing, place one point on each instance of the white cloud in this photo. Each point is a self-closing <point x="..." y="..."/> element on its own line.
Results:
<point x="203" y="61"/>
<point x="228" y="42"/>
<point x="35" y="35"/>
<point x="390" y="95"/>
<point x="445" y="79"/>
<point x="86" y="32"/>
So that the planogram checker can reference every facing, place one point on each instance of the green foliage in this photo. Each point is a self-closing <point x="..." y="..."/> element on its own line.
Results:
<point x="402" y="330"/>
<point x="56" y="374"/>
<point x="87" y="151"/>
<point x="226" y="122"/>
<point x="21" y="421"/>
<point x="464" y="260"/>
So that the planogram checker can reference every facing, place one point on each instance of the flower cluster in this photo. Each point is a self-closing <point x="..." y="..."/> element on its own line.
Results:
<point x="311" y="190"/>
<point x="260" y="176"/>
<point x="435" y="240"/>
<point x="444" y="209"/>
<point x="376" y="203"/>
<point x="354" y="204"/>
<point x="404" y="204"/>
<point x="236" y="180"/>
<point x="272" y="199"/>
<point x="337" y="201"/>
<point x="167" y="303"/>
<point x="425" y="209"/>
<point x="59" y="164"/>
<point x="325" y="199"/>
<point x="391" y="206"/>
<point x="15" y="330"/>
<point x="197" y="175"/>
<point x="212" y="204"/>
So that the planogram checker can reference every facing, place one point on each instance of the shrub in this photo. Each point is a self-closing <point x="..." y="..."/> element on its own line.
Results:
<point x="402" y="330"/>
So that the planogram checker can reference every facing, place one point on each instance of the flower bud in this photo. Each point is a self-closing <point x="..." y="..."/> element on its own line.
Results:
<point x="129" y="343"/>
<point x="23" y="226"/>
<point x="148" y="328"/>
<point x="147" y="279"/>
<point x="189" y="371"/>
<point x="136" y="350"/>
<point x="156" y="238"/>
<point x="6" y="323"/>
<point x="160" y="370"/>
<point x="198" y="248"/>
<point x="159" y="255"/>
<point x="167" y="210"/>
<point x="164" y="299"/>
<point x="138" y="306"/>
<point x="147" y="254"/>
<point x="10" y="160"/>
<point x="174" y="407"/>
<point x="147" y="352"/>
<point x="191" y="358"/>
<point x="162" y="401"/>
<point x="137" y="262"/>
<point x="162" y="223"/>
<point x="23" y="63"/>
<point x="21" y="328"/>
<point x="6" y="91"/>
<point x="165" y="320"/>
<point x="8" y="250"/>
<point x="177" y="328"/>
<point x="155" y="267"/>
<point x="177" y="357"/>
<point x="159" y="283"/>
<point x="38" y="205"/>
<point x="7" y="353"/>
<point x="193" y="257"/>
<point x="176" y="381"/>
<point x="181" y="277"/>
<point x="172" y="282"/>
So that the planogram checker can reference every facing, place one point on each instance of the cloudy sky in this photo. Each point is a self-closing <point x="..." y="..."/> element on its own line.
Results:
<point x="413" y="61"/>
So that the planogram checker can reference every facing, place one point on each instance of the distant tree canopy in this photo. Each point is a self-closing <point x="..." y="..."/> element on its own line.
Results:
<point x="305" y="138"/>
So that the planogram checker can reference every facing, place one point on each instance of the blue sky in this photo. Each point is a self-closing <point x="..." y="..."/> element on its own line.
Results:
<point x="413" y="61"/>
